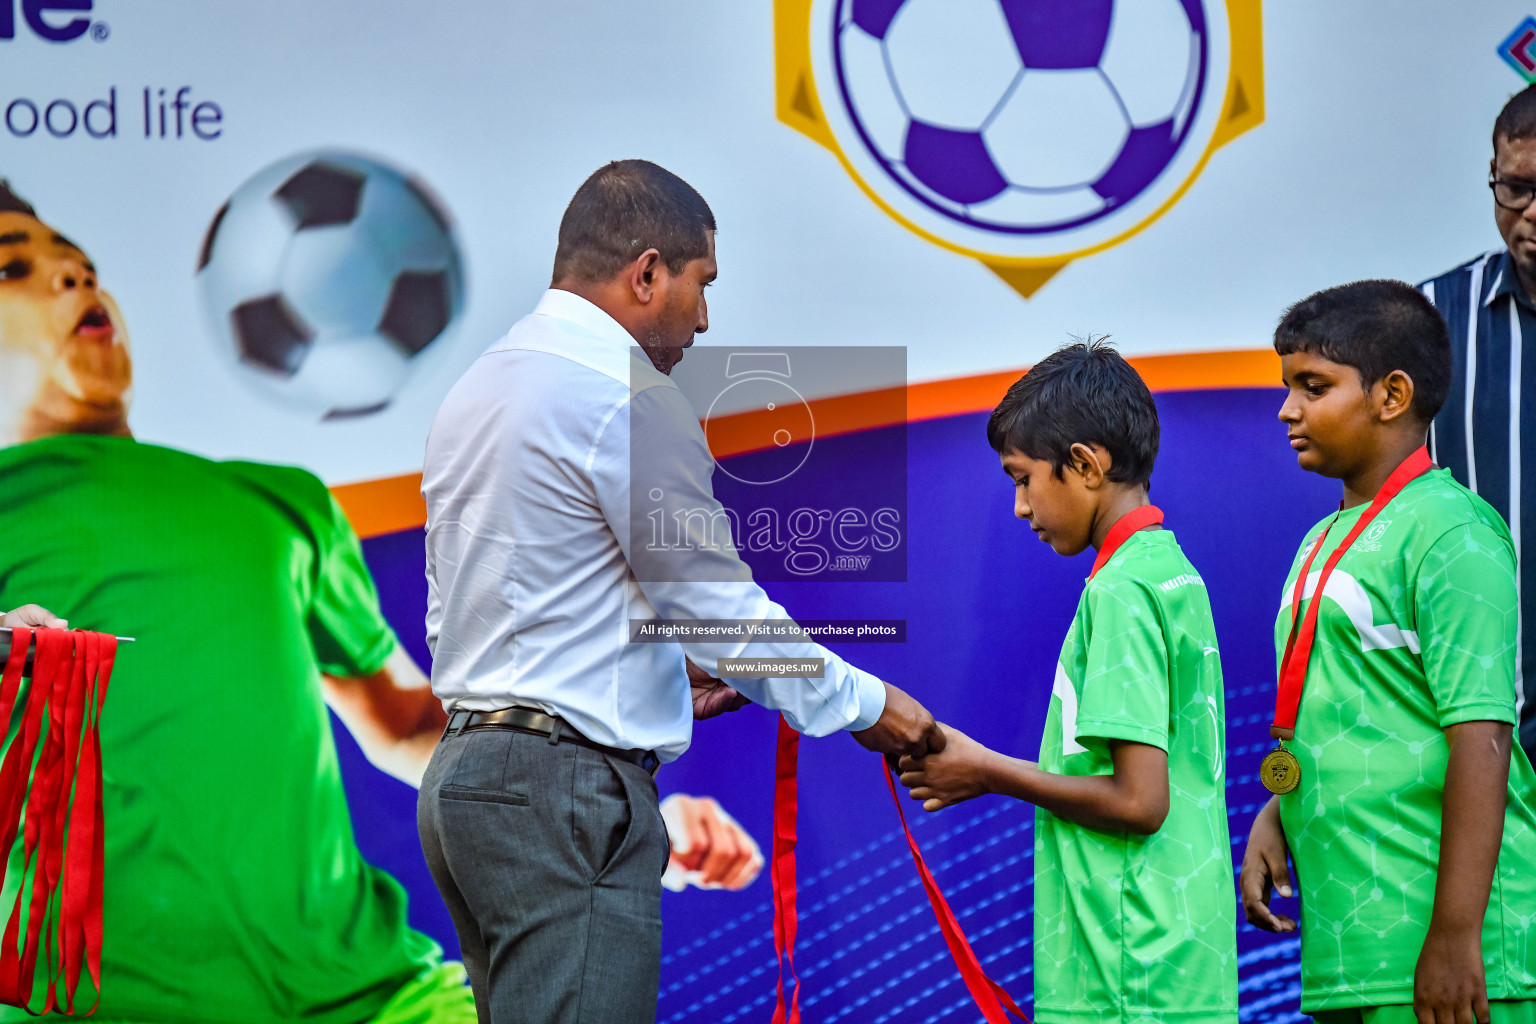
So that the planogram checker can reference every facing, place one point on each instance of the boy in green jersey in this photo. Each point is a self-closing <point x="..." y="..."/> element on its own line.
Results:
<point x="1133" y="868"/>
<point x="1412" y="829"/>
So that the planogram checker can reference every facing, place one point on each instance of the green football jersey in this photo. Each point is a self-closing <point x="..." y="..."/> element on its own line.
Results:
<point x="234" y="889"/>
<point x="1418" y="631"/>
<point x="1131" y="927"/>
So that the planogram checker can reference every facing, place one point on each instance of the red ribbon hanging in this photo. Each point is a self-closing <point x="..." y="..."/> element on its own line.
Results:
<point x="1298" y="647"/>
<point x="58" y="811"/>
<point x="786" y="809"/>
<point x="991" y="999"/>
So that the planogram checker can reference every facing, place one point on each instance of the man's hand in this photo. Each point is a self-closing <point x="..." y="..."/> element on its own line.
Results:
<point x="1265" y="869"/>
<point x="709" y="849"/>
<point x="959" y="773"/>
<point x="711" y="696"/>
<point x="1448" y="983"/>
<point x="34" y="616"/>
<point x="905" y="728"/>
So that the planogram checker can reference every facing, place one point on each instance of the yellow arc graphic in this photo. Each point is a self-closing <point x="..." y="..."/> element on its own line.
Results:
<point x="799" y="106"/>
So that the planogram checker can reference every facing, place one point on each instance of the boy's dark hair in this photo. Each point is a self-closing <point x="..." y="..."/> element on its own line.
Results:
<point x="1084" y="393"/>
<point x="625" y="208"/>
<point x="1518" y="118"/>
<point x="10" y="202"/>
<point x="1376" y="327"/>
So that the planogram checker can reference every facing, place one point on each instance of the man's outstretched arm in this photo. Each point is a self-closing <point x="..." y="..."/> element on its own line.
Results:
<point x="392" y="714"/>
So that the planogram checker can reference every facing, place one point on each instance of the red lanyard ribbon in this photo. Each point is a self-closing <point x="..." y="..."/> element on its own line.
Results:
<point x="1138" y="518"/>
<point x="786" y="808"/>
<point x="988" y="994"/>
<point x="1298" y="648"/>
<point x="62" y="847"/>
<point x="990" y="997"/>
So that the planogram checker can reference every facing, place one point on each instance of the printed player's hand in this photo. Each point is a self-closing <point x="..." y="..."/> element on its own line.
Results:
<point x="709" y="849"/>
<point x="1448" y="983"/>
<point x="711" y="696"/>
<point x="957" y="773"/>
<point x="34" y="616"/>
<point x="1265" y="870"/>
<point x="905" y="728"/>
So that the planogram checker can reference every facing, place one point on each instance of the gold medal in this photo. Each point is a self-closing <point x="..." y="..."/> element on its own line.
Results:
<point x="1280" y="771"/>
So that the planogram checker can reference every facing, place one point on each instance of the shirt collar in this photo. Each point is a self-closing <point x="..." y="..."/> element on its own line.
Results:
<point x="1505" y="282"/>
<point x="564" y="305"/>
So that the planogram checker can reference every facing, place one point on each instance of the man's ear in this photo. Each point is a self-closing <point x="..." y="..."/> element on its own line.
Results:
<point x="1089" y="462"/>
<point x="1395" y="395"/>
<point x="643" y="275"/>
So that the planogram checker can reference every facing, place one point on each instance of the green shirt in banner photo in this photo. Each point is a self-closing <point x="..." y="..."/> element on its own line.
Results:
<point x="234" y="889"/>
<point x="1131" y="927"/>
<point x="1417" y="632"/>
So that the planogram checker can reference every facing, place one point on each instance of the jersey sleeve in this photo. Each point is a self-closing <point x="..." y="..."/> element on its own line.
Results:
<point x="1124" y="693"/>
<point x="1467" y="612"/>
<point x="346" y="625"/>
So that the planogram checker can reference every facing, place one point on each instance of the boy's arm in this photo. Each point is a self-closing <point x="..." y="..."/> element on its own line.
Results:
<point x="1265" y="870"/>
<point x="1132" y="799"/>
<point x="1449" y="979"/>
<point x="1467" y="608"/>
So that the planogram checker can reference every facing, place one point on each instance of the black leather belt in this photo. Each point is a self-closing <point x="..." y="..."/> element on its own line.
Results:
<point x="556" y="730"/>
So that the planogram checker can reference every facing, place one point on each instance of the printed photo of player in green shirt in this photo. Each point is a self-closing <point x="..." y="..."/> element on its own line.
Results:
<point x="235" y="891"/>
<point x="1134" y="918"/>
<point x="1412" y="830"/>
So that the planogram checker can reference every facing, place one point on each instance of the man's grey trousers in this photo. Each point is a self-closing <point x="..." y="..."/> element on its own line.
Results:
<point x="549" y="857"/>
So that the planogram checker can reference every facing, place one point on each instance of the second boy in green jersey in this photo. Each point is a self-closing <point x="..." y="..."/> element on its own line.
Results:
<point x="1411" y="828"/>
<point x="1133" y="891"/>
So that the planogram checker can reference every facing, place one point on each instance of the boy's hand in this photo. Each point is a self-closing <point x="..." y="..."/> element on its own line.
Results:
<point x="957" y="773"/>
<point x="1265" y="869"/>
<point x="1448" y="984"/>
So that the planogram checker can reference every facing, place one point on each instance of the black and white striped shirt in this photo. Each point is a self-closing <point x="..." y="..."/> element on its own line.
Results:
<point x="1486" y="432"/>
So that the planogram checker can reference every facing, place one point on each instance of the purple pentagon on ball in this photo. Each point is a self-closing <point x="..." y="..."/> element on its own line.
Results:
<point x="874" y="16"/>
<point x="1057" y="34"/>
<point x="1146" y="153"/>
<point x="954" y="164"/>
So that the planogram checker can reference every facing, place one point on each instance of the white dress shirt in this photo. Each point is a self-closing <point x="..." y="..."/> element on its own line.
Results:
<point x="529" y="560"/>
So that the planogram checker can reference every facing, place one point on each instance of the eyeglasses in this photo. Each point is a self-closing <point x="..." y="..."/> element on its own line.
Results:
<point x="1512" y="195"/>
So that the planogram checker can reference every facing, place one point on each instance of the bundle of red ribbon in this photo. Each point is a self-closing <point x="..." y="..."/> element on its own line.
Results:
<point x="52" y="774"/>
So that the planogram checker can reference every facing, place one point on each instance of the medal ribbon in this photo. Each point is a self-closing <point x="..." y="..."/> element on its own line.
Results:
<point x="990" y="997"/>
<point x="786" y="809"/>
<point x="1298" y="648"/>
<point x="62" y="847"/>
<point x="1138" y="518"/>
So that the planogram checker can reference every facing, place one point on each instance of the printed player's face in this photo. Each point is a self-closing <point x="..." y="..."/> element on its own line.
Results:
<point x="56" y="326"/>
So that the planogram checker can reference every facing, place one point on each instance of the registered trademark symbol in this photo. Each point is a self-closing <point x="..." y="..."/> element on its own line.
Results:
<point x="100" y="30"/>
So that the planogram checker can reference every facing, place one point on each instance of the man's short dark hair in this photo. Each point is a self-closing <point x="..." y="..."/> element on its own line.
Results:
<point x="1375" y="327"/>
<point x="10" y="202"/>
<point x="1518" y="118"/>
<point x="1084" y="393"/>
<point x="622" y="210"/>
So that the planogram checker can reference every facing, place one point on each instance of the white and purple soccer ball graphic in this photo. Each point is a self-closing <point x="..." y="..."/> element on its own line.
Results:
<point x="327" y="276"/>
<point x="1022" y="116"/>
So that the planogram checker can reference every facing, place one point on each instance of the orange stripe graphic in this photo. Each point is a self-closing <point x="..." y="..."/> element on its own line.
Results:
<point x="376" y="507"/>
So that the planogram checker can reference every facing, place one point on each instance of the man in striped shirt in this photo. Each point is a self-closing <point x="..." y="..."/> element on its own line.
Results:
<point x="1486" y="431"/>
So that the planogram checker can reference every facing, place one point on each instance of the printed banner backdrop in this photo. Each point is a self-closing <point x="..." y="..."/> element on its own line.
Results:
<point x="313" y="216"/>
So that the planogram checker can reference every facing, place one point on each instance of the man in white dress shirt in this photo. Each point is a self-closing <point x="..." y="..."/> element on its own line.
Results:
<point x="538" y="814"/>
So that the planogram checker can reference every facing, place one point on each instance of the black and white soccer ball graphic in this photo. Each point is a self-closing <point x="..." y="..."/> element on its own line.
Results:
<point x="326" y="276"/>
